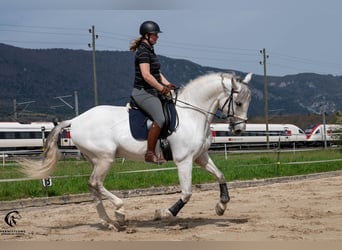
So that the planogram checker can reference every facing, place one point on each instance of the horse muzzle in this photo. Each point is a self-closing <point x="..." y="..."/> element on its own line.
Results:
<point x="237" y="128"/>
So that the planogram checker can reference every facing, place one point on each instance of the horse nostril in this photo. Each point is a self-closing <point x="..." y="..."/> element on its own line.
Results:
<point x="238" y="132"/>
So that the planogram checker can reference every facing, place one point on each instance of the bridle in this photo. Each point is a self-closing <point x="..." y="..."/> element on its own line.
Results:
<point x="229" y="101"/>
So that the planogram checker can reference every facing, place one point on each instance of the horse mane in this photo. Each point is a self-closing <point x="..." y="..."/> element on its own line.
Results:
<point x="193" y="83"/>
<point x="244" y="93"/>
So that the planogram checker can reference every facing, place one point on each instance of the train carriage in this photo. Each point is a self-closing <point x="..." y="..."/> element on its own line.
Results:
<point x="255" y="135"/>
<point x="15" y="136"/>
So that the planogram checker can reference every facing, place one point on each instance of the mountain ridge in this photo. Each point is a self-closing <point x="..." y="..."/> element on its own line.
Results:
<point x="41" y="75"/>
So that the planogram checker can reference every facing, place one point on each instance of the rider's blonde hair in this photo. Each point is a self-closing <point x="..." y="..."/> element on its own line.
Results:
<point x="135" y="44"/>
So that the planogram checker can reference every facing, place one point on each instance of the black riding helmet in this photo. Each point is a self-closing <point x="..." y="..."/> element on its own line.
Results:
<point x="149" y="27"/>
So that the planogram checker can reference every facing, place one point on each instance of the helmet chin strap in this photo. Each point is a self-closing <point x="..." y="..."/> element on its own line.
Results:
<point x="148" y="39"/>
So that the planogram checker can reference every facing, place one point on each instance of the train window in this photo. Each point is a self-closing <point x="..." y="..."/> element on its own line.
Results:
<point x="223" y="133"/>
<point x="36" y="135"/>
<point x="23" y="135"/>
<point x="28" y="135"/>
<point x="7" y="135"/>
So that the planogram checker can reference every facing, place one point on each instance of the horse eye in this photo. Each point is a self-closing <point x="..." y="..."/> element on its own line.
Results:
<point x="239" y="104"/>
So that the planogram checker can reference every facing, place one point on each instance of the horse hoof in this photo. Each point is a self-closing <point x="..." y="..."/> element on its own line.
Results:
<point x="113" y="225"/>
<point x="120" y="216"/>
<point x="107" y="225"/>
<point x="220" y="208"/>
<point x="119" y="227"/>
<point x="161" y="214"/>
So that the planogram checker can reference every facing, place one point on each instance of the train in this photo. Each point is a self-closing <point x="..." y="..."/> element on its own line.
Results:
<point x="279" y="134"/>
<point x="255" y="135"/>
<point x="315" y="134"/>
<point x="30" y="136"/>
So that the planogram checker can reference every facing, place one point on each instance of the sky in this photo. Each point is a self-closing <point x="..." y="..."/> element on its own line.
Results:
<point x="298" y="36"/>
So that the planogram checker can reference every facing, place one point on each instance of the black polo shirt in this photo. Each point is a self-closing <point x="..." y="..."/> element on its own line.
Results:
<point x="145" y="54"/>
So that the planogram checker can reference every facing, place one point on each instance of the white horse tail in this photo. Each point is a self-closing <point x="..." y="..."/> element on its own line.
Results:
<point x="43" y="168"/>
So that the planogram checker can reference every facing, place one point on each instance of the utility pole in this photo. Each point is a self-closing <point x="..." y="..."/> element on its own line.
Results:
<point x="76" y="103"/>
<point x="15" y="109"/>
<point x="92" y="45"/>
<point x="324" y="127"/>
<point x="265" y="57"/>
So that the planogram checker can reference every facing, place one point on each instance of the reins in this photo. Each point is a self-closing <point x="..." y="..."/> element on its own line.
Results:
<point x="228" y="102"/>
<point x="192" y="106"/>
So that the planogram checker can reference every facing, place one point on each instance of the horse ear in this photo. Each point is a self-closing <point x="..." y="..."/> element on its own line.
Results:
<point x="248" y="78"/>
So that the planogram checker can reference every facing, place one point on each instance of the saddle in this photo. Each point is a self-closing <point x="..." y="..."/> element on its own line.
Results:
<point x="140" y="123"/>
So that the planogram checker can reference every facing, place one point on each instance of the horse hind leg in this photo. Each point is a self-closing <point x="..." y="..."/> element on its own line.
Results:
<point x="99" y="205"/>
<point x="119" y="224"/>
<point x="98" y="190"/>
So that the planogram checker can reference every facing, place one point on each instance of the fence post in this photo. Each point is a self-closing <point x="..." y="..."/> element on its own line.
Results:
<point x="278" y="158"/>
<point x="294" y="148"/>
<point x="3" y="159"/>
<point x="225" y="152"/>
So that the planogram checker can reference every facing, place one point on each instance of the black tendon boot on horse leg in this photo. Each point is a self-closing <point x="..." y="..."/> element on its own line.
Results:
<point x="224" y="199"/>
<point x="152" y="139"/>
<point x="177" y="207"/>
<point x="170" y="213"/>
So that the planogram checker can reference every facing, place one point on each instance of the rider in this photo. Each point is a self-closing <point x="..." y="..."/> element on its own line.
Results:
<point x="150" y="84"/>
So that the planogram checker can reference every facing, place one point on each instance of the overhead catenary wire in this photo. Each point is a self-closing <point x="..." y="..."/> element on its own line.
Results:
<point x="58" y="36"/>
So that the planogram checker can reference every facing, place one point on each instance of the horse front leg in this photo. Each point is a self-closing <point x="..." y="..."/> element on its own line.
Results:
<point x="206" y="163"/>
<point x="224" y="199"/>
<point x="185" y="181"/>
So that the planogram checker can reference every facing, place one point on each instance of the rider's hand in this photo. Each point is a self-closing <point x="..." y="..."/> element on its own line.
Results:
<point x="171" y="86"/>
<point x="165" y="91"/>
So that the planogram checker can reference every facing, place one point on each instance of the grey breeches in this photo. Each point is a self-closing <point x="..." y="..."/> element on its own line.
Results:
<point x="150" y="104"/>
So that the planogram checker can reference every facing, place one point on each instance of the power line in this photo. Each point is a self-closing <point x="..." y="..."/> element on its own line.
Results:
<point x="213" y="53"/>
<point x="43" y="32"/>
<point x="40" y="42"/>
<point x="41" y="27"/>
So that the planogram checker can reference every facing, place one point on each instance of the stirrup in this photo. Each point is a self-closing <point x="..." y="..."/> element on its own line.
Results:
<point x="152" y="158"/>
